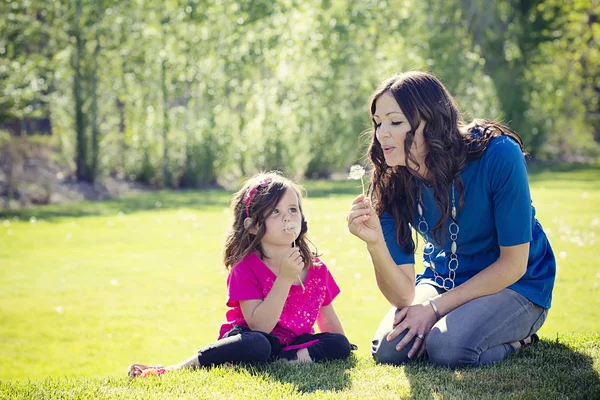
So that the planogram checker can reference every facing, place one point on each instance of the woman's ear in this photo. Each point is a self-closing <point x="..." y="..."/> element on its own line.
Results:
<point x="248" y="225"/>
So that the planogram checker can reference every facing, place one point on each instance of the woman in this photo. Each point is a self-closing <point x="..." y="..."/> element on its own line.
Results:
<point x="489" y="268"/>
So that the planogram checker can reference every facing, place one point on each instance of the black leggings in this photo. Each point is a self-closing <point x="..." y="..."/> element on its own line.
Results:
<point x="242" y="345"/>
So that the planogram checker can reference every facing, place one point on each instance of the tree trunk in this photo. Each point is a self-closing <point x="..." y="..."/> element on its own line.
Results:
<point x="93" y="171"/>
<point x="166" y="172"/>
<point x="121" y="105"/>
<point x="81" y="146"/>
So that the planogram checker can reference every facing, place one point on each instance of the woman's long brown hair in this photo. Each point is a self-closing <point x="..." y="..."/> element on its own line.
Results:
<point x="450" y="142"/>
<point x="271" y="187"/>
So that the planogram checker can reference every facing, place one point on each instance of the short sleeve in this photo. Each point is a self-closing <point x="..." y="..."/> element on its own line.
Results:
<point x="507" y="172"/>
<point x="388" y="225"/>
<point x="242" y="284"/>
<point x="331" y="287"/>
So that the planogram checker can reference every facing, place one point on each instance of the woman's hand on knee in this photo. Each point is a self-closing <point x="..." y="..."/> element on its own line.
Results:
<point x="417" y="320"/>
<point x="363" y="221"/>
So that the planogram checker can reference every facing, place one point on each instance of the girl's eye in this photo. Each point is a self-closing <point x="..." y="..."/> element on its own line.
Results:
<point x="293" y="210"/>
<point x="275" y="212"/>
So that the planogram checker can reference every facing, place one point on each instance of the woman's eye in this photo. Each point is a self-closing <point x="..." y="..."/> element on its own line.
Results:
<point x="396" y="122"/>
<point x="377" y="125"/>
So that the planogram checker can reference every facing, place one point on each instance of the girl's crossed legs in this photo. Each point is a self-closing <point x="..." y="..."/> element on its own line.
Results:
<point x="242" y="345"/>
<point x="483" y="331"/>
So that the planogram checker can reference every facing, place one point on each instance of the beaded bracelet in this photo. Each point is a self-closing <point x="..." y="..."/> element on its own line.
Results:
<point x="435" y="309"/>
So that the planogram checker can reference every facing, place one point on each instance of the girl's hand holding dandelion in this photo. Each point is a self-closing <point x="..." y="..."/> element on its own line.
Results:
<point x="363" y="221"/>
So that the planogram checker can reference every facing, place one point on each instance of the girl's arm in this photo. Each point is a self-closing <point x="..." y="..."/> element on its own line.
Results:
<point x="328" y="321"/>
<point x="263" y="315"/>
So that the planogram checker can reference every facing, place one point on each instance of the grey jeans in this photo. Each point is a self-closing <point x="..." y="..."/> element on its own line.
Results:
<point x="477" y="333"/>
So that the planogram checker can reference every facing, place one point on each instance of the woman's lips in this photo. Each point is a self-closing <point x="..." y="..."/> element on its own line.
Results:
<point x="388" y="150"/>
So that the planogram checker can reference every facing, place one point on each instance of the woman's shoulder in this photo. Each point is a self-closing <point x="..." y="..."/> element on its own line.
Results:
<point x="503" y="149"/>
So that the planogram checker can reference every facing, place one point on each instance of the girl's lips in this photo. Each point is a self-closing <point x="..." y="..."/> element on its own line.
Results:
<point x="289" y="229"/>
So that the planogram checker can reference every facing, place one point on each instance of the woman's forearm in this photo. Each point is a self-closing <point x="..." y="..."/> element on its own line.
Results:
<point x="397" y="286"/>
<point x="498" y="276"/>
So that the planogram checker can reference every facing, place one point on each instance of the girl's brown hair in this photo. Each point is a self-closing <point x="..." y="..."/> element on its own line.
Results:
<point x="256" y="200"/>
<point x="450" y="142"/>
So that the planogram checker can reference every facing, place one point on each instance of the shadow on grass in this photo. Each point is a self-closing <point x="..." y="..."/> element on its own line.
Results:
<point x="329" y="376"/>
<point x="548" y="370"/>
<point x="163" y="200"/>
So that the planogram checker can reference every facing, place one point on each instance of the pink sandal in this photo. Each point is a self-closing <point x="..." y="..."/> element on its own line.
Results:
<point x="144" y="371"/>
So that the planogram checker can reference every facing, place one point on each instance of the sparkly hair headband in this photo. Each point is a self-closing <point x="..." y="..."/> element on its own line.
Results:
<point x="251" y="193"/>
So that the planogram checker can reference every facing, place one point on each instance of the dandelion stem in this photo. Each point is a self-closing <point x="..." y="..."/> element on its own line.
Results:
<point x="363" y="185"/>
<point x="298" y="276"/>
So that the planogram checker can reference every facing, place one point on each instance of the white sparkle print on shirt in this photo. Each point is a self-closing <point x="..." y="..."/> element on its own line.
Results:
<point x="306" y="305"/>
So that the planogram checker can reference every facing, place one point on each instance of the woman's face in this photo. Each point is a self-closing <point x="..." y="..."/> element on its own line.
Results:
<point x="391" y="129"/>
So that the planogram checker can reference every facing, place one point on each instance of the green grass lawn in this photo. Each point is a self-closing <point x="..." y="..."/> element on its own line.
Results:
<point x="88" y="288"/>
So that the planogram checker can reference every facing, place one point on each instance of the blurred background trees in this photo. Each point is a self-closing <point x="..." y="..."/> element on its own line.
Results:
<point x="181" y="93"/>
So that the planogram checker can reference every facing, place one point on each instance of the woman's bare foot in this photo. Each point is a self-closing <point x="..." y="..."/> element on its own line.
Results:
<point x="529" y="340"/>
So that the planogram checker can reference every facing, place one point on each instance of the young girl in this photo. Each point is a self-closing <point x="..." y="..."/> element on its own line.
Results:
<point x="277" y="287"/>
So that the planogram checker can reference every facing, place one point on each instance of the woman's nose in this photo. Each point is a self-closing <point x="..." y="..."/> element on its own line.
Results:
<point x="382" y="131"/>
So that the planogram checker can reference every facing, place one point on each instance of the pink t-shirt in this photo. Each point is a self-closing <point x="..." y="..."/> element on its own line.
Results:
<point x="251" y="279"/>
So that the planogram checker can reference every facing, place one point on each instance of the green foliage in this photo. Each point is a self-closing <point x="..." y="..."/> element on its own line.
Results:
<point x="249" y="85"/>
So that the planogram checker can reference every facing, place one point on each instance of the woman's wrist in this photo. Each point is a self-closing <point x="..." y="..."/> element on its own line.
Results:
<point x="435" y="309"/>
<point x="377" y="246"/>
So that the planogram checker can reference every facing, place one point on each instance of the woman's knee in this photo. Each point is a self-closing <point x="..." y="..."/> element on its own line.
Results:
<point x="444" y="348"/>
<point x="385" y="352"/>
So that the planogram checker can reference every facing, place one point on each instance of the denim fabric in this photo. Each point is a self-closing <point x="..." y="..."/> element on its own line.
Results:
<point x="477" y="333"/>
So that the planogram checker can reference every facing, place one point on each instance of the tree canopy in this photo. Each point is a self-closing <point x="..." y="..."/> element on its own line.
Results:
<point x="181" y="92"/>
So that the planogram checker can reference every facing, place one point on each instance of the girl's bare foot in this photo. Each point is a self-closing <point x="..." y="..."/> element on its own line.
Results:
<point x="302" y="356"/>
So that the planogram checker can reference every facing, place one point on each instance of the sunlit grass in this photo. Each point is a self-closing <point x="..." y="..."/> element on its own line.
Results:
<point x="88" y="288"/>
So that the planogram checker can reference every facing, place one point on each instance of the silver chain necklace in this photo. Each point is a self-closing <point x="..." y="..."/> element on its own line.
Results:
<point x="428" y="248"/>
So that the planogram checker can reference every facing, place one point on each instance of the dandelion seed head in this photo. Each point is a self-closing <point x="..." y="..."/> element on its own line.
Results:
<point x="356" y="172"/>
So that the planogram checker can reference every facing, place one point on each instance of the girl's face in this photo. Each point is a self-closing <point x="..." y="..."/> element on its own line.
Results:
<point x="282" y="226"/>
<point x="391" y="129"/>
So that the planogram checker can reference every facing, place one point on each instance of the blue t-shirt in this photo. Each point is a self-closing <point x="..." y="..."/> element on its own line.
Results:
<point x="497" y="211"/>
